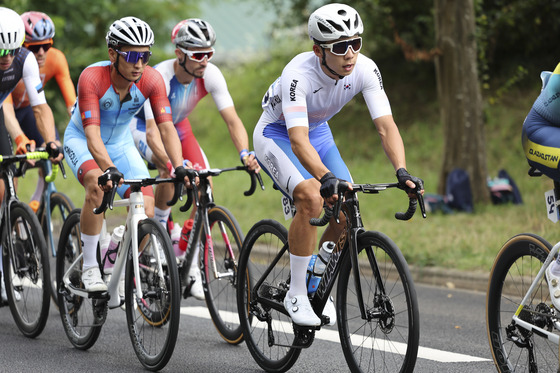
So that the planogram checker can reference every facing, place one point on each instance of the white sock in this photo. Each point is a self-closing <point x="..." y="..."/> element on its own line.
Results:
<point x="162" y="215"/>
<point x="298" y="269"/>
<point x="39" y="190"/>
<point x="89" y="249"/>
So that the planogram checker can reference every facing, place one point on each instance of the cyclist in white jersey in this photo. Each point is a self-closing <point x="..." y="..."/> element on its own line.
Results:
<point x="295" y="146"/>
<point x="188" y="78"/>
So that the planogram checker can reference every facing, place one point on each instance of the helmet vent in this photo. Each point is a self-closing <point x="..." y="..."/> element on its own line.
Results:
<point x="337" y="27"/>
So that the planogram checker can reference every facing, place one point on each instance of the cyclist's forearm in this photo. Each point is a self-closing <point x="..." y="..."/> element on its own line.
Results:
<point x="172" y="143"/>
<point x="236" y="129"/>
<point x="97" y="148"/>
<point x="155" y="143"/>
<point x="45" y="122"/>
<point x="391" y="141"/>
<point x="10" y="120"/>
<point x="306" y="153"/>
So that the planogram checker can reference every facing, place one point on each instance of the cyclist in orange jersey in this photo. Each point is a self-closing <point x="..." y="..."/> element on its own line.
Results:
<point x="39" y="33"/>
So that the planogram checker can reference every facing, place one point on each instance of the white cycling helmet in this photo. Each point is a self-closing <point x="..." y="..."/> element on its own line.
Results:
<point x="129" y="31"/>
<point x="334" y="21"/>
<point x="12" y="29"/>
<point x="193" y="33"/>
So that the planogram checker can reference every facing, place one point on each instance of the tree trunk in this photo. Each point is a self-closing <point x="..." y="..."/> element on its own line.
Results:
<point x="459" y="95"/>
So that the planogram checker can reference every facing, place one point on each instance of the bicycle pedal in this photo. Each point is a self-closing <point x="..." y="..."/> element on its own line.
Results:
<point x="101" y="295"/>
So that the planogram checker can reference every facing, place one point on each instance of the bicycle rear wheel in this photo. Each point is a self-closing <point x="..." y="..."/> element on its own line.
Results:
<point x="153" y="320"/>
<point x="82" y="318"/>
<point x="387" y="339"/>
<point x="268" y="332"/>
<point x="61" y="206"/>
<point x="220" y="292"/>
<point x="26" y="275"/>
<point x="515" y="349"/>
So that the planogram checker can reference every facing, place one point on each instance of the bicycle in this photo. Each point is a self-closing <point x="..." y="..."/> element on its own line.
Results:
<point x="219" y="234"/>
<point x="25" y="264"/>
<point x="376" y="305"/>
<point x="151" y="288"/>
<point x="53" y="210"/>
<point x="522" y="324"/>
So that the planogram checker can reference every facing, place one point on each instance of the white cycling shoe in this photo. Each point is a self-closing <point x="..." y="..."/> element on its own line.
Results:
<point x="196" y="286"/>
<point x="330" y="311"/>
<point x="300" y="310"/>
<point x="92" y="280"/>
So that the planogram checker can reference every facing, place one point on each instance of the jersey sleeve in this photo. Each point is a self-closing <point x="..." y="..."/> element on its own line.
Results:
<point x="32" y="80"/>
<point x="215" y="84"/>
<point x="373" y="91"/>
<point x="294" y="99"/>
<point x="89" y="93"/>
<point x="159" y="102"/>
<point x="63" y="79"/>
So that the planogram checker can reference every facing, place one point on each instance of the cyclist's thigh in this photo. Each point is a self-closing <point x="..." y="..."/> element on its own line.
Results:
<point x="191" y="149"/>
<point x="138" y="129"/>
<point x="6" y="147"/>
<point x="275" y="155"/>
<point x="76" y="151"/>
<point x="128" y="161"/>
<point x="541" y="143"/>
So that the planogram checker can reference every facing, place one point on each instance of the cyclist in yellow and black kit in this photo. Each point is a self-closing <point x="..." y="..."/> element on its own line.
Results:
<point x="541" y="143"/>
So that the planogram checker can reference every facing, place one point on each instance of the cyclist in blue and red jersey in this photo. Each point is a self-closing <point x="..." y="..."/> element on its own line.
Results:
<point x="188" y="79"/>
<point x="541" y="144"/>
<point x="97" y="142"/>
<point x="295" y="146"/>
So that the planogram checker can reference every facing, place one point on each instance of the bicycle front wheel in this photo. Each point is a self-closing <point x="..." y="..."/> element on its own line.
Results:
<point x="61" y="206"/>
<point x="515" y="349"/>
<point x="153" y="320"/>
<point x="221" y="281"/>
<point x="268" y="332"/>
<point x="26" y="273"/>
<point x="386" y="338"/>
<point x="82" y="318"/>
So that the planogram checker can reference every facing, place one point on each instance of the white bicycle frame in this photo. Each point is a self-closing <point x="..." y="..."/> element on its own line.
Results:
<point x="136" y="213"/>
<point x="527" y="298"/>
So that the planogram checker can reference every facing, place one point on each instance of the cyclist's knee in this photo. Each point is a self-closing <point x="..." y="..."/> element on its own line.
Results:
<point x="307" y="198"/>
<point x="149" y="206"/>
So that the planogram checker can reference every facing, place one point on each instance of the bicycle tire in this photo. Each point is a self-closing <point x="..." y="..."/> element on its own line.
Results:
<point x="27" y="275"/>
<point x="82" y="318"/>
<point x="513" y="272"/>
<point x="262" y="244"/>
<point x="374" y="345"/>
<point x="221" y="291"/>
<point x="61" y="206"/>
<point x="153" y="321"/>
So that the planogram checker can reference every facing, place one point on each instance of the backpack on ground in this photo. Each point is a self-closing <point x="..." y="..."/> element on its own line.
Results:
<point x="504" y="190"/>
<point x="458" y="190"/>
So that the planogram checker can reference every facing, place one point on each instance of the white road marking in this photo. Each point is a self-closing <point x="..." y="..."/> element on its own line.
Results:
<point x="332" y="336"/>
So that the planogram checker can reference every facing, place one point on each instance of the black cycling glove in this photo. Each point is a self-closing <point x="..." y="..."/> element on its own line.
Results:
<point x="403" y="176"/>
<point x="329" y="185"/>
<point x="180" y="172"/>
<point x="110" y="174"/>
<point x="53" y="151"/>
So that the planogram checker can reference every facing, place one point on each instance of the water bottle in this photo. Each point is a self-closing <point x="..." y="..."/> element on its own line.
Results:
<point x="175" y="238"/>
<point x="323" y="258"/>
<point x="109" y="254"/>
<point x="317" y="265"/>
<point x="185" y="232"/>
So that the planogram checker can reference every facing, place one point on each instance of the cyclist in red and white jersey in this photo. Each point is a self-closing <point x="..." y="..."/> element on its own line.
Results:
<point x="39" y="33"/>
<point x="188" y="79"/>
<point x="97" y="142"/>
<point x="294" y="143"/>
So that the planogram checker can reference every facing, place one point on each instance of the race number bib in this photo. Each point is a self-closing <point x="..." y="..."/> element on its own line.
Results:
<point x="551" y="206"/>
<point x="288" y="208"/>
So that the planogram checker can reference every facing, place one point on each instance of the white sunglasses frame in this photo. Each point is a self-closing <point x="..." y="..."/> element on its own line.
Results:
<point x="330" y="46"/>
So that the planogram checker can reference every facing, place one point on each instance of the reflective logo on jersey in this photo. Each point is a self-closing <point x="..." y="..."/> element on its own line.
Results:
<point x="545" y="155"/>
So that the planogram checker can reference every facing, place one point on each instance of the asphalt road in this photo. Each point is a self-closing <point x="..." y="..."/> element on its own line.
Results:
<point x="453" y="339"/>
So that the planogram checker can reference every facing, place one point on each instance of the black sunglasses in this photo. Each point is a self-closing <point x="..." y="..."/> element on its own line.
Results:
<point x="35" y="48"/>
